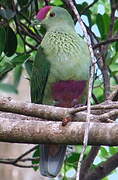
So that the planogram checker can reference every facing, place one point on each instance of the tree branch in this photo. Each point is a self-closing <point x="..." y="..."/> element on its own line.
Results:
<point x="38" y="132"/>
<point x="104" y="169"/>
<point x="24" y="154"/>
<point x="87" y="162"/>
<point x="100" y="112"/>
<point x="15" y="161"/>
<point x="5" y="160"/>
<point x="110" y="40"/>
<point x="105" y="69"/>
<point x="8" y="162"/>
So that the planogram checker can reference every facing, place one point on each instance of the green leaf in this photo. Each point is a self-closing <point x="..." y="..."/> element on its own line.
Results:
<point x="114" y="73"/>
<point x="113" y="150"/>
<point x="20" y="46"/>
<point x="100" y="24"/>
<point x="114" y="67"/>
<point x="116" y="46"/>
<point x="73" y="158"/>
<point x="105" y="178"/>
<point x="17" y="75"/>
<point x="2" y="39"/>
<point x="98" y="90"/>
<point x="65" y="178"/>
<point x="8" y="65"/>
<point x="104" y="153"/>
<point x="8" y="88"/>
<point x="116" y="26"/>
<point x="57" y="2"/>
<point x="106" y="20"/>
<point x="11" y="42"/>
<point x="103" y="23"/>
<point x="88" y="14"/>
<point x="36" y="155"/>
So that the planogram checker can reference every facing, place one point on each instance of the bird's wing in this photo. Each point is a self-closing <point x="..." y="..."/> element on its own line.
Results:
<point x="40" y="72"/>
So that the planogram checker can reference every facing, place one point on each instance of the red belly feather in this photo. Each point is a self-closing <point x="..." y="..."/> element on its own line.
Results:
<point x="68" y="93"/>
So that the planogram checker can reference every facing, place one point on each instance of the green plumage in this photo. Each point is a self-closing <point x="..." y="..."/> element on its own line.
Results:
<point x="39" y="77"/>
<point x="68" y="55"/>
<point x="63" y="57"/>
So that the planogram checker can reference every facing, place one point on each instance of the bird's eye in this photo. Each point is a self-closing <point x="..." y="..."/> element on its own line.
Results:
<point x="52" y="14"/>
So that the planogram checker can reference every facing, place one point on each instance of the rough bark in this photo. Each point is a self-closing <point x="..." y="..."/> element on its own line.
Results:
<point x="20" y="126"/>
<point x="104" y="169"/>
<point x="102" y="112"/>
<point x="88" y="161"/>
<point x="27" y="131"/>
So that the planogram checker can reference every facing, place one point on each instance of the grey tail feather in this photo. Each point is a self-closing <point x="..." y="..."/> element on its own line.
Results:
<point x="50" y="160"/>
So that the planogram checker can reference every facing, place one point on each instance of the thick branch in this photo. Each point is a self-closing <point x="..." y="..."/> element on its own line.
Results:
<point x="30" y="109"/>
<point x="99" y="112"/>
<point x="26" y="131"/>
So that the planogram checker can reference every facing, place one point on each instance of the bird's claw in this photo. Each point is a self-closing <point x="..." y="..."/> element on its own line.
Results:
<point x="66" y="120"/>
<point x="78" y="105"/>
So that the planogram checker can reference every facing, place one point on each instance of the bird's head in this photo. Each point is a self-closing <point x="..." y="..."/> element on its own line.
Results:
<point x="50" y="16"/>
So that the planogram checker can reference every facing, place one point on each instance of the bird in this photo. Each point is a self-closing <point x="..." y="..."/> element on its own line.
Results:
<point x="60" y="75"/>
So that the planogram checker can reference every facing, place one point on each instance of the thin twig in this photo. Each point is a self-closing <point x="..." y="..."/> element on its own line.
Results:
<point x="24" y="29"/>
<point x="110" y="40"/>
<point x="19" y="165"/>
<point x="105" y="69"/>
<point x="5" y="160"/>
<point x="114" y="95"/>
<point x="24" y="154"/>
<point x="15" y="161"/>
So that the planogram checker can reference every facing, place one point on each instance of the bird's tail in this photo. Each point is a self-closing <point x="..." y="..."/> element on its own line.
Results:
<point x="51" y="159"/>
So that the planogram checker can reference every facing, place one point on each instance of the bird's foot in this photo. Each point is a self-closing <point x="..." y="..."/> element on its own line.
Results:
<point x="66" y="120"/>
<point x="78" y="105"/>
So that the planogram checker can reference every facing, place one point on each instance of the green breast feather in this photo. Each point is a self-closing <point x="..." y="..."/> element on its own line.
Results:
<point x="68" y="55"/>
